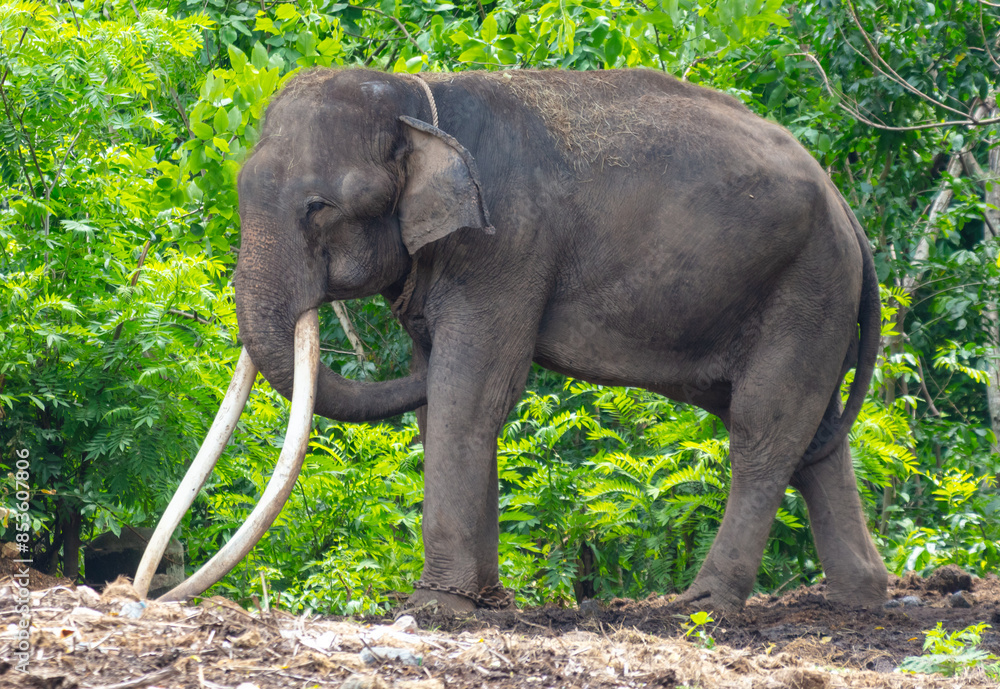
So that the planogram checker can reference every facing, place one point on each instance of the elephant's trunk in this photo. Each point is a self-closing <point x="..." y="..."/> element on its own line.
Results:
<point x="266" y="311"/>
<point x="275" y="282"/>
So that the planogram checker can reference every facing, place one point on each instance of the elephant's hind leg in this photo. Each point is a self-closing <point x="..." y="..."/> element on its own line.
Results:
<point x="855" y="573"/>
<point x="769" y="430"/>
<point x="777" y="403"/>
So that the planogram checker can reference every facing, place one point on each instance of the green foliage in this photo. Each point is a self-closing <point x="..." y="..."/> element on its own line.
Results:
<point x="966" y="533"/>
<point x="112" y="350"/>
<point x="697" y="627"/>
<point x="949" y="653"/>
<point x="595" y="484"/>
<point x="349" y="534"/>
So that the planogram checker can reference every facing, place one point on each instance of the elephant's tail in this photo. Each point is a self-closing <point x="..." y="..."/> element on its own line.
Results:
<point x="834" y="428"/>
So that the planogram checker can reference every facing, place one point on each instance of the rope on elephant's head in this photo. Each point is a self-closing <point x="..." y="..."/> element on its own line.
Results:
<point x="430" y="98"/>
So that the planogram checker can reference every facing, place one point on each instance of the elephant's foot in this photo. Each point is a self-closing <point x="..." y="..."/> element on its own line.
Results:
<point x="714" y="592"/>
<point x="718" y="601"/>
<point x="444" y="601"/>
<point x="866" y="587"/>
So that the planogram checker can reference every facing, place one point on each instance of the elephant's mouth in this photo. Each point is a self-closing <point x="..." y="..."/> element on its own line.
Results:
<point x="286" y="471"/>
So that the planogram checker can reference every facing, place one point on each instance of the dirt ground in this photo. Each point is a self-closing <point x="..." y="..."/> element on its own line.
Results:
<point x="798" y="641"/>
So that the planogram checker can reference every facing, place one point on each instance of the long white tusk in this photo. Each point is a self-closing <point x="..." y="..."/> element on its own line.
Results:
<point x="285" y="471"/>
<point x="200" y="469"/>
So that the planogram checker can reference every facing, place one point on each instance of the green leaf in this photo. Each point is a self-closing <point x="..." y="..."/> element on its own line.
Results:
<point x="268" y="80"/>
<point x="661" y="20"/>
<point x="306" y="43"/>
<point x="202" y="130"/>
<point x="235" y="119"/>
<point x="613" y="47"/>
<point x="823" y="142"/>
<point x="437" y="27"/>
<point x="259" y="55"/>
<point x="286" y="11"/>
<point x="523" y="26"/>
<point x="221" y="121"/>
<point x="474" y="54"/>
<point x="250" y="135"/>
<point x="488" y="31"/>
<point x="237" y="58"/>
<point x="216" y="87"/>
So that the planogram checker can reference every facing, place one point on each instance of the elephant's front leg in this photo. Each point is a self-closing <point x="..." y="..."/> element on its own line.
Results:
<point x="472" y="386"/>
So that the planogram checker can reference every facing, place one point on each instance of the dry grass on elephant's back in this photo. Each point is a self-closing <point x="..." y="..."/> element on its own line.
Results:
<point x="605" y="118"/>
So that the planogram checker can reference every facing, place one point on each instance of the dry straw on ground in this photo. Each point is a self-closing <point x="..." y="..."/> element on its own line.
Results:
<point x="80" y="639"/>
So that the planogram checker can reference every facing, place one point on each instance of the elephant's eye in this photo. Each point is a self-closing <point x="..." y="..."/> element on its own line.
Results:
<point x="314" y="206"/>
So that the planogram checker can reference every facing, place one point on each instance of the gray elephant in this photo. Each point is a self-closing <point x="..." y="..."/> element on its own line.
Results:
<point x="621" y="227"/>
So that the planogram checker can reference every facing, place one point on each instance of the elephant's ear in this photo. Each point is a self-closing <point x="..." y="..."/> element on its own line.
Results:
<point x="442" y="191"/>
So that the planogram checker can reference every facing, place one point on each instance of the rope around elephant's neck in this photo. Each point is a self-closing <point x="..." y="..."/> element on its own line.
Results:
<point x="403" y="300"/>
<point x="430" y="99"/>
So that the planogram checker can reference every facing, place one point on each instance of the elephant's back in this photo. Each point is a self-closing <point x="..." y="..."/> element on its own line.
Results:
<point x="613" y="118"/>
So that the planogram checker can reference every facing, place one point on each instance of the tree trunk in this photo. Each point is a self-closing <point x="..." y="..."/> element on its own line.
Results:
<point x="991" y="228"/>
<point x="993" y="386"/>
<point x="49" y="560"/>
<point x="992" y="222"/>
<point x="940" y="204"/>
<point x="909" y="284"/>
<point x="71" y="524"/>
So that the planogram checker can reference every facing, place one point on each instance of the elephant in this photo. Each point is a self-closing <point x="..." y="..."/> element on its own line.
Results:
<point x="623" y="227"/>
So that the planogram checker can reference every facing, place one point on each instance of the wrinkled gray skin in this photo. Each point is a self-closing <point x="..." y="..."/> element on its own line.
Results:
<point x="621" y="227"/>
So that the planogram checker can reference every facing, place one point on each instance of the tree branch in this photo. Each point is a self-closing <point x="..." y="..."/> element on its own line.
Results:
<point x="352" y="334"/>
<point x="923" y="388"/>
<point x="398" y="23"/>
<point x="12" y="115"/>
<point x="180" y="111"/>
<point x="152" y="678"/>
<point x="991" y="215"/>
<point x="891" y="72"/>
<point x="6" y="70"/>
<point x="189" y="316"/>
<point x="986" y="43"/>
<point x="132" y="283"/>
<point x="856" y="114"/>
<point x="62" y="164"/>
<point x="55" y="179"/>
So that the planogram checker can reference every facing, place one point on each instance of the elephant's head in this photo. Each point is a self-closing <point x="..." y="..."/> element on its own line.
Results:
<point x="346" y="185"/>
